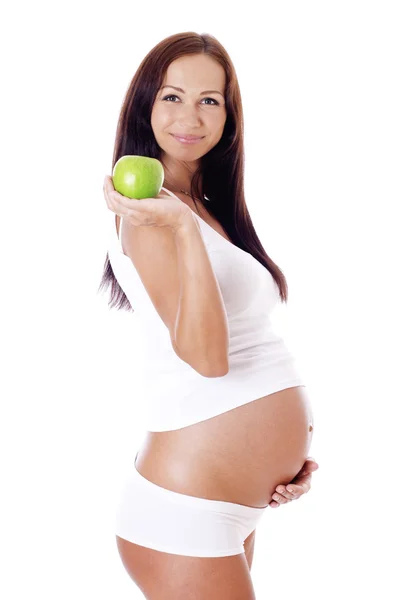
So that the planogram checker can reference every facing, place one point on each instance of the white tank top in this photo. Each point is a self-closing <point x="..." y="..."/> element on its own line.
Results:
<point x="175" y="395"/>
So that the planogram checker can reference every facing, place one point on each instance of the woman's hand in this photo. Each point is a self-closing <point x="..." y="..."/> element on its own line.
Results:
<point x="300" y="485"/>
<point x="162" y="211"/>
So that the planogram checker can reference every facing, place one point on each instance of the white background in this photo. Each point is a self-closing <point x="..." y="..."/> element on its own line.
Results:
<point x="320" y="90"/>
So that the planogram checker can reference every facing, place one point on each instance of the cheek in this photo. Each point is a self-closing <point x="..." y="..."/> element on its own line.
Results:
<point x="160" y="119"/>
<point x="218" y="120"/>
<point x="216" y="128"/>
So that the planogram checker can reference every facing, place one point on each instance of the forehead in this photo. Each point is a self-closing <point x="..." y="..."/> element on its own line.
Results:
<point x="196" y="73"/>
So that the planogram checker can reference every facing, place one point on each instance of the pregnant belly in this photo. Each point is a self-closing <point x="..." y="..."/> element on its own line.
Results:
<point x="239" y="456"/>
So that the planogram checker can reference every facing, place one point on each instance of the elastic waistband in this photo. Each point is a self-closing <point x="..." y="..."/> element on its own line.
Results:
<point x="217" y="505"/>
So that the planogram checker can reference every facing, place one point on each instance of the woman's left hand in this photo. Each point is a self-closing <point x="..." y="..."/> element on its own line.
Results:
<point x="299" y="484"/>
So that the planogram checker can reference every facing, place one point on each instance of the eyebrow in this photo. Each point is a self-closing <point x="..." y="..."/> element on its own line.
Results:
<point x="202" y="93"/>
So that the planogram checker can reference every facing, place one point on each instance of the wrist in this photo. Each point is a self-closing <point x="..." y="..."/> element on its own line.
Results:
<point x="186" y="225"/>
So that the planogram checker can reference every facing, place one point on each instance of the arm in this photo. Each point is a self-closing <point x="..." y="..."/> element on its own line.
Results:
<point x="201" y="334"/>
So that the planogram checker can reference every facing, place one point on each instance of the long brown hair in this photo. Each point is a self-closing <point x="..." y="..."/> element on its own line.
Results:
<point x="221" y="170"/>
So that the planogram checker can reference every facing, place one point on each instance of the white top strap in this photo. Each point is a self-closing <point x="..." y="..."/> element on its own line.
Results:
<point x="170" y="193"/>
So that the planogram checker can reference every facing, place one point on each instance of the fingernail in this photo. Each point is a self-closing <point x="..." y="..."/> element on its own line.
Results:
<point x="291" y="490"/>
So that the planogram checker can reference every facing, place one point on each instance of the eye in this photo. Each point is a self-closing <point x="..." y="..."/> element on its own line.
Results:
<point x="175" y="96"/>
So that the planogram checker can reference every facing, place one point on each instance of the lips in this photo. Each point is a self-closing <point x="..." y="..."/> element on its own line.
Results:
<point x="187" y="137"/>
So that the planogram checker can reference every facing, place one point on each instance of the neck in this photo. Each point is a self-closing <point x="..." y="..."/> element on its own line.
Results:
<point x="176" y="188"/>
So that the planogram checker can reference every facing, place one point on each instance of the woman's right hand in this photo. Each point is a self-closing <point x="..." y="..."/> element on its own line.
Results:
<point x="161" y="211"/>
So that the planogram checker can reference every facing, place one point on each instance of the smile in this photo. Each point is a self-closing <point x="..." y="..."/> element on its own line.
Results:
<point x="183" y="140"/>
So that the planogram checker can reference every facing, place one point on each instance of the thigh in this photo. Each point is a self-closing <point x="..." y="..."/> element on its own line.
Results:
<point x="177" y="577"/>
<point x="249" y="547"/>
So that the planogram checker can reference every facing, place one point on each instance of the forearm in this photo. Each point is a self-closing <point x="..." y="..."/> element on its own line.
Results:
<point x="201" y="328"/>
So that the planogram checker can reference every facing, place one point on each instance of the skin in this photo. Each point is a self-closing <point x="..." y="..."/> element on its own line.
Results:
<point x="191" y="112"/>
<point x="188" y="113"/>
<point x="300" y="484"/>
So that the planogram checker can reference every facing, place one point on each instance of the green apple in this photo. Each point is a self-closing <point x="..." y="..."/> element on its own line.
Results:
<point x="138" y="176"/>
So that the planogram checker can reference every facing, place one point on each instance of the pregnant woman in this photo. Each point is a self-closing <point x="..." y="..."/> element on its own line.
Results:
<point x="229" y="422"/>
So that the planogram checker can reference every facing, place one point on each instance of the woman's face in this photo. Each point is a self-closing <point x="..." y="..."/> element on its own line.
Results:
<point x="190" y="112"/>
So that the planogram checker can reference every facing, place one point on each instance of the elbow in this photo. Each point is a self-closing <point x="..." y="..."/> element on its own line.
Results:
<point x="208" y="366"/>
<point x="220" y="372"/>
<point x="215" y="360"/>
<point x="214" y="368"/>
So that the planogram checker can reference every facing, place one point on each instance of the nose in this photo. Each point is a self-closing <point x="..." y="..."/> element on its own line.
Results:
<point x="188" y="117"/>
